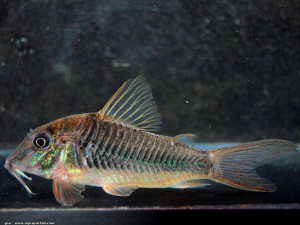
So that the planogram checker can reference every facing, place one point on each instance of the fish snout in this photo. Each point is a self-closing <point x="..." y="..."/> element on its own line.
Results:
<point x="8" y="164"/>
<point x="10" y="161"/>
<point x="18" y="174"/>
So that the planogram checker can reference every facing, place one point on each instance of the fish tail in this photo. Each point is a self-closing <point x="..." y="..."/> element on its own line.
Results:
<point x="235" y="166"/>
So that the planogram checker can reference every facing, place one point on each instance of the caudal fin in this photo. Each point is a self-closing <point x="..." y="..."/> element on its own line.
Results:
<point x="235" y="165"/>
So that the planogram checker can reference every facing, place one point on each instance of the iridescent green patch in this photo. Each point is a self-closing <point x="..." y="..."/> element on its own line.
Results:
<point x="36" y="157"/>
<point x="47" y="165"/>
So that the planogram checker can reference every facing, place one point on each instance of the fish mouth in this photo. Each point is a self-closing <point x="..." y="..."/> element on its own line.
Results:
<point x="18" y="174"/>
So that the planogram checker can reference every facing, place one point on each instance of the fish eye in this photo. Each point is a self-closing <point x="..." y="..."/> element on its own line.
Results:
<point x="42" y="140"/>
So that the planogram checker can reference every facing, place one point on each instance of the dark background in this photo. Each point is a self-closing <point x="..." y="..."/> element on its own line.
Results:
<point x="224" y="70"/>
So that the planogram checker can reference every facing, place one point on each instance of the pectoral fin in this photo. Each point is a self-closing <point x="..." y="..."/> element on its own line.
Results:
<point x="67" y="193"/>
<point x="117" y="190"/>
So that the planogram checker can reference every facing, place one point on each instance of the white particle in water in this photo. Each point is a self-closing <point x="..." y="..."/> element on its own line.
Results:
<point x="31" y="51"/>
<point x="237" y="22"/>
<point x="266" y="92"/>
<point x="23" y="39"/>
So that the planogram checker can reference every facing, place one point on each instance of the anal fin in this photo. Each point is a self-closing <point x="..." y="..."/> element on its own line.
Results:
<point x="67" y="193"/>
<point x="119" y="190"/>
<point x="191" y="184"/>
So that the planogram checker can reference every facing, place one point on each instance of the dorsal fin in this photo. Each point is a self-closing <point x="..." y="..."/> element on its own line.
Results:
<point x="133" y="103"/>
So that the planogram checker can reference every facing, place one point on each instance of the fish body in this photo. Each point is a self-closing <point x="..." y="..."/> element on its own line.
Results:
<point x="117" y="150"/>
<point x="113" y="153"/>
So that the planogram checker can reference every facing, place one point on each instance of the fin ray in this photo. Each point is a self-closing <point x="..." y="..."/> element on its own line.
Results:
<point x="119" y="190"/>
<point x="235" y="165"/>
<point x="133" y="103"/>
<point x="187" y="139"/>
<point x="67" y="193"/>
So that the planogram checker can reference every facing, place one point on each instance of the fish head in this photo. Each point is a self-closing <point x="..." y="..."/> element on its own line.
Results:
<point x="38" y="154"/>
<point x="43" y="148"/>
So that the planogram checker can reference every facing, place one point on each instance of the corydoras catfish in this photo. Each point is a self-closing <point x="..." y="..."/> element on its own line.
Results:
<point x="116" y="149"/>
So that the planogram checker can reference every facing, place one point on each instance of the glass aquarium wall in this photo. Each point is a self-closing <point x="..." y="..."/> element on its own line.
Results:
<point x="224" y="70"/>
<point x="227" y="71"/>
